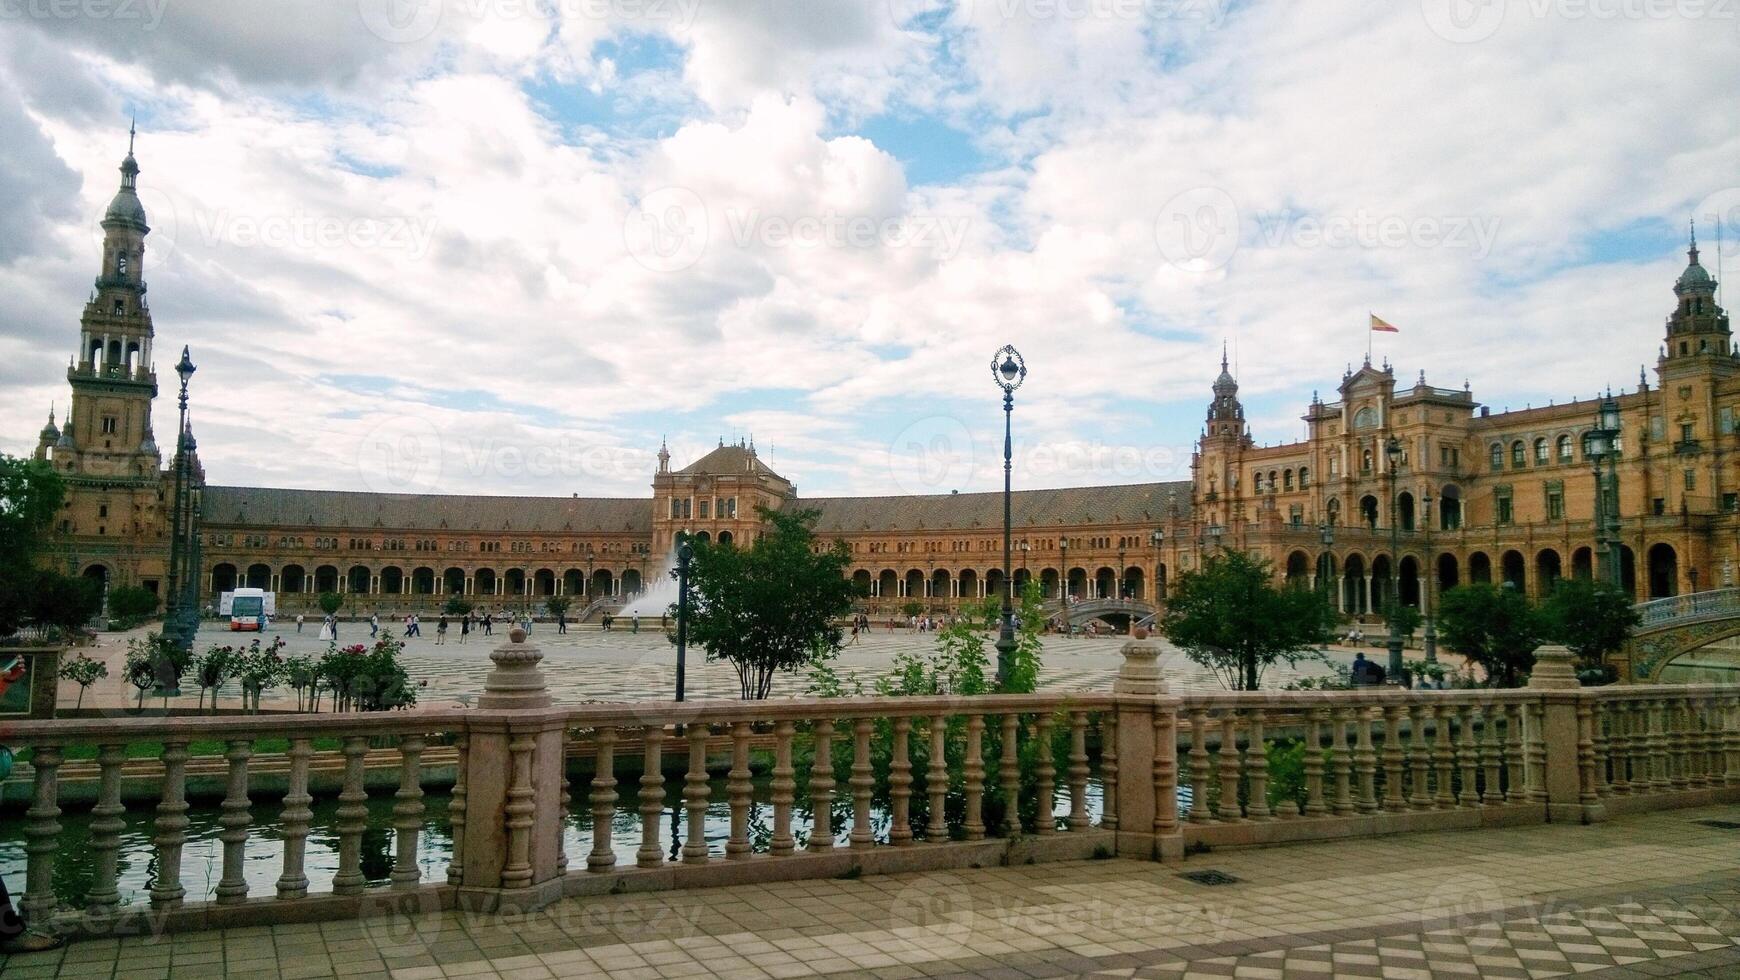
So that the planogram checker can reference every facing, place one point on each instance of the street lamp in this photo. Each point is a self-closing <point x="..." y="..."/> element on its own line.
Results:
<point x="1009" y="370"/>
<point x="1157" y="538"/>
<point x="685" y="553"/>
<point x="1393" y="454"/>
<point x="1430" y="639"/>
<point x="177" y="628"/>
<point x="1325" y="571"/>
<point x="1603" y="447"/>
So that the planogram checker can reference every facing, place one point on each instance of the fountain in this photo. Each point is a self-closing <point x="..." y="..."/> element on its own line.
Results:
<point x="658" y="595"/>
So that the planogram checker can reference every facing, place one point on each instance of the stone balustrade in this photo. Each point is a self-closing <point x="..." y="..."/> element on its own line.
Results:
<point x="818" y="788"/>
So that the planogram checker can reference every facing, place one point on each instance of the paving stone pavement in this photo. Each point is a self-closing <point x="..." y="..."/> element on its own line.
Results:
<point x="1648" y="895"/>
<point x="592" y="665"/>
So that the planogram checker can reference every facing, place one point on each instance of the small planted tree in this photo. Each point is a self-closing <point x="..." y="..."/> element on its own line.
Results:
<point x="457" y="606"/>
<point x="148" y="658"/>
<point x="330" y="602"/>
<point x="84" y="672"/>
<point x="1231" y="617"/>
<point x="260" y="669"/>
<point x="302" y="673"/>
<point x="1496" y="628"/>
<point x="217" y="665"/>
<point x="131" y="604"/>
<point x="774" y="606"/>
<point x="1594" y="619"/>
<point x="557" y="605"/>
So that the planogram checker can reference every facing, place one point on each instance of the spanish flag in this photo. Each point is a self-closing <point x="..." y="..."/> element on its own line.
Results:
<point x="1380" y="325"/>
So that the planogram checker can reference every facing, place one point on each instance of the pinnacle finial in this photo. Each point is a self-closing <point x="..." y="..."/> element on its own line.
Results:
<point x="1223" y="355"/>
<point x="132" y="131"/>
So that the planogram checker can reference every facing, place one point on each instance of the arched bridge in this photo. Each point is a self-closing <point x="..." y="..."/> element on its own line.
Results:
<point x="1675" y="626"/>
<point x="1086" y="610"/>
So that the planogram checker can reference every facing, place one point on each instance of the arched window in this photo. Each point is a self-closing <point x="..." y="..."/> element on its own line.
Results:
<point x="1272" y="483"/>
<point x="1286" y="479"/>
<point x="1334" y="512"/>
<point x="1366" y="418"/>
<point x="1518" y="454"/>
<point x="1497" y="456"/>
<point x="1365" y="462"/>
<point x="1541" y="452"/>
<point x="1564" y="449"/>
<point x="1304" y="477"/>
<point x="1257" y="482"/>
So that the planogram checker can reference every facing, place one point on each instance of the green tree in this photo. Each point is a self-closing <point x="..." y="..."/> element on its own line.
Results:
<point x="130" y="602"/>
<point x="330" y="602"/>
<point x="912" y="607"/>
<point x="1594" y="619"/>
<point x="1496" y="628"/>
<point x="774" y="605"/>
<point x="1403" y="618"/>
<point x="1231" y="617"/>
<point x="556" y="605"/>
<point x="84" y="672"/>
<point x="457" y="606"/>
<point x="31" y="494"/>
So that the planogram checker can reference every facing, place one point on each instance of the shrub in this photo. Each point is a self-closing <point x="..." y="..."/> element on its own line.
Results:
<point x="130" y="602"/>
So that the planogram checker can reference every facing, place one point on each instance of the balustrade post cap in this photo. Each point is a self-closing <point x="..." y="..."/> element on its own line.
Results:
<point x="516" y="681"/>
<point x="1140" y="673"/>
<point x="1555" y="669"/>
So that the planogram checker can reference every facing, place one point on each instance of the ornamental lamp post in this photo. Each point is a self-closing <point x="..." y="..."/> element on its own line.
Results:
<point x="1603" y="447"/>
<point x="1009" y="370"/>
<point x="685" y="554"/>
<point x="1157" y="538"/>
<point x="1430" y="639"/>
<point x="176" y="626"/>
<point x="1325" y="571"/>
<point x="1393" y="455"/>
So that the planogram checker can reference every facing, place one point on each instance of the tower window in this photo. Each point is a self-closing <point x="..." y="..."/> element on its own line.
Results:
<point x="102" y="510"/>
<point x="120" y="307"/>
<point x="109" y="425"/>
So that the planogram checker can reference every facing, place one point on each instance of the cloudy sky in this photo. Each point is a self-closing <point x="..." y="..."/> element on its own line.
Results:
<point x="508" y="245"/>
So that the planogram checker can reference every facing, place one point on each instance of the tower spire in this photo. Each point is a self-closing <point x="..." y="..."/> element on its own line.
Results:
<point x="132" y="131"/>
<point x="1693" y="253"/>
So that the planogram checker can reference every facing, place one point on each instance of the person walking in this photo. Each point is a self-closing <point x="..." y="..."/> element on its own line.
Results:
<point x="562" y="622"/>
<point x="299" y="622"/>
<point x="488" y="623"/>
<point x="374" y="625"/>
<point x="634" y="625"/>
<point x="464" y="627"/>
<point x="441" y="630"/>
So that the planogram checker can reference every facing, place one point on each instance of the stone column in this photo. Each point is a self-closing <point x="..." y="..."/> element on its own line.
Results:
<point x="1141" y="692"/>
<point x="515" y="782"/>
<point x="1562" y="732"/>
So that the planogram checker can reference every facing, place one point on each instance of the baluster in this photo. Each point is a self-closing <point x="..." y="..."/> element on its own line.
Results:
<point x="106" y="826"/>
<point x="651" y="853"/>
<point x="603" y="799"/>
<point x="1443" y="755"/>
<point x="974" y="769"/>
<point x="1341" y="763"/>
<point x="822" y="787"/>
<point x="1639" y="739"/>
<point x="455" y="810"/>
<point x="1228" y="759"/>
<point x="1586" y="793"/>
<point x="297" y="815"/>
<point x="863" y="784"/>
<point x="1731" y="777"/>
<point x="1109" y="770"/>
<point x="1393" y="759"/>
<point x="1516" y="761"/>
<point x="1314" y="766"/>
<point x="1365" y="759"/>
<point x="1535" y="750"/>
<point x="1603" y="749"/>
<point x="740" y="787"/>
<point x="408" y="812"/>
<point x="1078" y="771"/>
<point x="900" y="784"/>
<point x="1165" y="771"/>
<point x="520" y="811"/>
<point x="1491" y="755"/>
<point x="936" y="781"/>
<point x="1419" y="758"/>
<point x="233" y="886"/>
<point x="695" y="794"/>
<point x="1045" y="814"/>
<point x="42" y="827"/>
<point x="1655" y="756"/>
<point x="1201" y="798"/>
<point x="1009" y="775"/>
<point x="1716" y="741"/>
<point x="1679" y="757"/>
<point x="1257" y="767"/>
<point x="171" y="826"/>
<point x="1618" y="746"/>
<point x="565" y="805"/>
<point x="1709" y="743"/>
<point x="784" y="790"/>
<point x="1468" y="754"/>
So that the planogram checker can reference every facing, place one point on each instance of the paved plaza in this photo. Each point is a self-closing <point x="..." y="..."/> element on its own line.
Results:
<point x="1655" y="895"/>
<point x="592" y="665"/>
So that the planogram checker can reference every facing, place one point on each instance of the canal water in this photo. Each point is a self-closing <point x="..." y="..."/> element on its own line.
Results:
<point x="202" y="857"/>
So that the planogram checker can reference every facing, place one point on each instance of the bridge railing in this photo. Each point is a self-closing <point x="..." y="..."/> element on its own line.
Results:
<point x="1698" y="605"/>
<point x="853" y="785"/>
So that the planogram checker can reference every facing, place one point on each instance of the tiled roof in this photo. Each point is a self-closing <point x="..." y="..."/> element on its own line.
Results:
<point x="730" y="460"/>
<point x="269" y="507"/>
<point x="1135" y="503"/>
